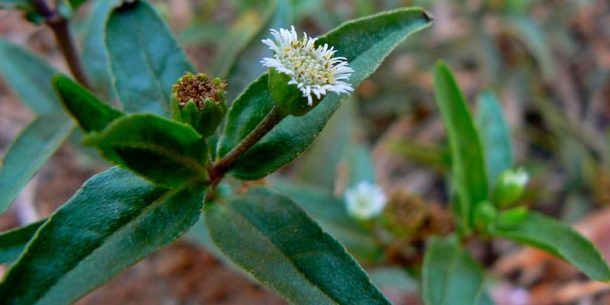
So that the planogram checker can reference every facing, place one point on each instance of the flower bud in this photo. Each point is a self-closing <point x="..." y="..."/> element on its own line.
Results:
<point x="404" y="213"/>
<point x="510" y="187"/>
<point x="287" y="97"/>
<point x="484" y="215"/>
<point x="199" y="101"/>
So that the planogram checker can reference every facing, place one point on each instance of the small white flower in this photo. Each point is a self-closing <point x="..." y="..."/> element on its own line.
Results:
<point x="516" y="177"/>
<point x="313" y="69"/>
<point x="365" y="201"/>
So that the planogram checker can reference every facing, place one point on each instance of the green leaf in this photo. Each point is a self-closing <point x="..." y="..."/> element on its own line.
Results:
<point x="274" y="240"/>
<point x="486" y="299"/>
<point x="495" y="135"/>
<point x="330" y="213"/>
<point x="26" y="6"/>
<point x="144" y="58"/>
<point x="364" y="42"/>
<point x="239" y="36"/>
<point x="76" y="3"/>
<point x="94" y="55"/>
<point x="559" y="239"/>
<point x="30" y="150"/>
<point x="467" y="162"/>
<point x="30" y="77"/>
<point x="112" y="222"/>
<point x="320" y="165"/>
<point x="90" y="113"/>
<point x="166" y="152"/>
<point x="14" y="241"/>
<point x="360" y="167"/>
<point x="450" y="275"/>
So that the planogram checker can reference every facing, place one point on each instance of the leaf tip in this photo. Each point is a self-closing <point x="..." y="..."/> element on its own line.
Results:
<point x="429" y="18"/>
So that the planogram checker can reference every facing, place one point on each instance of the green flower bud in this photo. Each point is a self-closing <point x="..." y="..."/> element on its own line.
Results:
<point x="510" y="187"/>
<point x="287" y="97"/>
<point x="484" y="215"/>
<point x="200" y="102"/>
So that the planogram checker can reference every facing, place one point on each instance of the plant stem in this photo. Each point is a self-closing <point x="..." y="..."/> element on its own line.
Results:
<point x="223" y="165"/>
<point x="61" y="30"/>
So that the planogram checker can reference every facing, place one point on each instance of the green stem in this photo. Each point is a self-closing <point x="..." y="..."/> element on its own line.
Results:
<point x="223" y="165"/>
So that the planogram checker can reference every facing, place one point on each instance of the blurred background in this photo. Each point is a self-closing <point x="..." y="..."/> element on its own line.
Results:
<point x="547" y="61"/>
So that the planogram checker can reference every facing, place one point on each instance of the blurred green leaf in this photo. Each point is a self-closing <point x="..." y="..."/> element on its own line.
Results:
<point x="239" y="36"/>
<point x="275" y="241"/>
<point x="26" y="6"/>
<point x="559" y="239"/>
<point x="429" y="154"/>
<point x="535" y="39"/>
<point x="90" y="113"/>
<point x="495" y="136"/>
<point x="246" y="68"/>
<point x="486" y="299"/>
<point x="360" y="165"/>
<point x="94" y="55"/>
<point x="76" y="3"/>
<point x="112" y="222"/>
<point x="166" y="152"/>
<point x="14" y="241"/>
<point x="330" y="213"/>
<point x="377" y="36"/>
<point x="30" y="77"/>
<point x="29" y="151"/>
<point x="467" y="162"/>
<point x="145" y="59"/>
<point x="319" y="165"/>
<point x="450" y="275"/>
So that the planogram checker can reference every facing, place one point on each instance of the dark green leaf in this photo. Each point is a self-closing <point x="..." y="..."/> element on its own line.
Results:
<point x="144" y="58"/>
<point x="90" y="113"/>
<point x="450" y="275"/>
<point x="274" y="240"/>
<point x="364" y="42"/>
<point x="495" y="135"/>
<point x="330" y="213"/>
<point x="94" y="55"/>
<point x="30" y="150"/>
<point x="467" y="163"/>
<point x="30" y="77"/>
<point x="76" y="3"/>
<point x="166" y="152"/>
<point x="559" y="239"/>
<point x="112" y="222"/>
<point x="14" y="241"/>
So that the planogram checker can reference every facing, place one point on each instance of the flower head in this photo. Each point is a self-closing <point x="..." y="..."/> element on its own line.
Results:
<point x="198" y="88"/>
<point x="313" y="69"/>
<point x="199" y="101"/>
<point x="365" y="201"/>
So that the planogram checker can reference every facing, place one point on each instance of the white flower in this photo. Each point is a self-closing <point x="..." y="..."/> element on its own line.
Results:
<point x="517" y="177"/>
<point x="313" y="69"/>
<point x="365" y="201"/>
